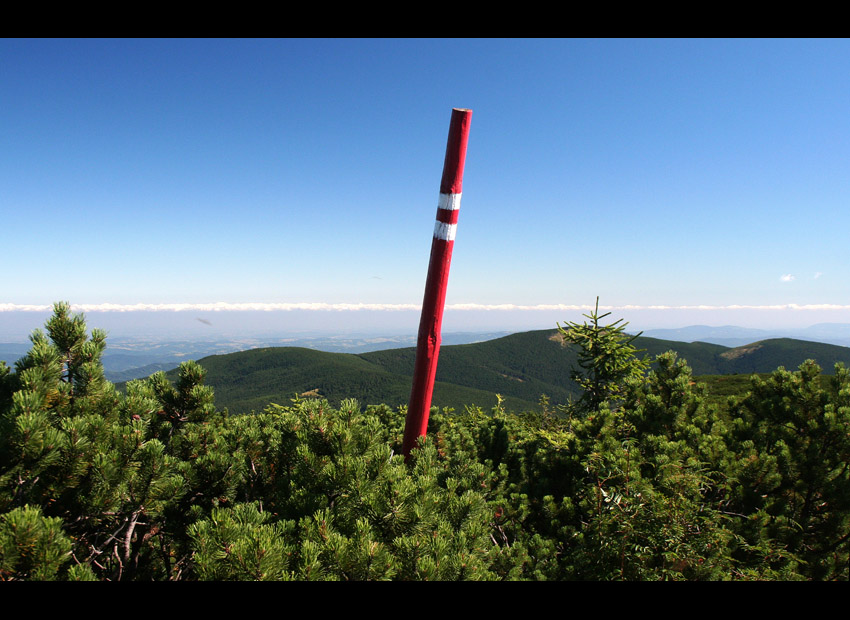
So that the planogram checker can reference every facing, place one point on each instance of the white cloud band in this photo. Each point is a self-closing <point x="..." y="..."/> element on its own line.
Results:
<point x="222" y="306"/>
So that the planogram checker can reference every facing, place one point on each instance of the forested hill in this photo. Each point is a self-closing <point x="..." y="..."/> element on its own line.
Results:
<point x="520" y="367"/>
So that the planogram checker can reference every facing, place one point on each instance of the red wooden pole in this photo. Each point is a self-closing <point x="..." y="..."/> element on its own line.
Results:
<point x="431" y="321"/>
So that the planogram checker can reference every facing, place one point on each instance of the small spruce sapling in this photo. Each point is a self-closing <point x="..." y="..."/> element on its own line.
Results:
<point x="606" y="357"/>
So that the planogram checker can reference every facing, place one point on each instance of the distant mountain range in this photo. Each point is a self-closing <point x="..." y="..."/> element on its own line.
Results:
<point x="733" y="336"/>
<point x="520" y="367"/>
<point x="247" y="375"/>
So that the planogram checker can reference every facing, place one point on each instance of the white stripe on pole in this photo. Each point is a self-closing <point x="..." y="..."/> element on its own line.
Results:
<point x="446" y="232"/>
<point x="450" y="202"/>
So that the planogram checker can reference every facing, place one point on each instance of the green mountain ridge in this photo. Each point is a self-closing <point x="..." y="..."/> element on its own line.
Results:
<point x="520" y="367"/>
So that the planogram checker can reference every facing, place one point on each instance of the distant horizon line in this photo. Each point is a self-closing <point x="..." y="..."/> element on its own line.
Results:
<point x="383" y="307"/>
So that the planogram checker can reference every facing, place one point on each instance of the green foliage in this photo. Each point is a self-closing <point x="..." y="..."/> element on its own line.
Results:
<point x="653" y="481"/>
<point x="31" y="546"/>
<point x="791" y="438"/>
<point x="607" y="360"/>
<point x="239" y="544"/>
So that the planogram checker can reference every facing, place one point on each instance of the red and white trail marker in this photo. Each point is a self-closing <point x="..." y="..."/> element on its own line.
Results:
<point x="430" y="324"/>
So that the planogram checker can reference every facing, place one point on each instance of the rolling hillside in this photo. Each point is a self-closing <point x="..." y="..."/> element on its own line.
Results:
<point x="520" y="367"/>
<point x="250" y="380"/>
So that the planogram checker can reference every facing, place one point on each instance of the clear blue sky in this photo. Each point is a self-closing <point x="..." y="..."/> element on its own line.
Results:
<point x="648" y="172"/>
